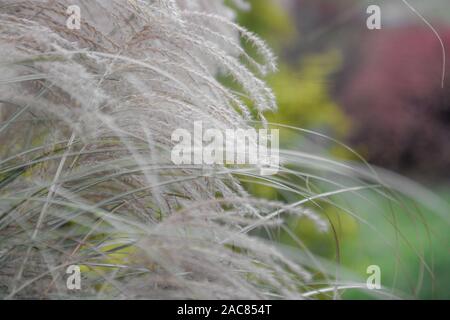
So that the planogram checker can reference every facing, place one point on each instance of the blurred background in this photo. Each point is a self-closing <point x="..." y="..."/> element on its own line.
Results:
<point x="379" y="91"/>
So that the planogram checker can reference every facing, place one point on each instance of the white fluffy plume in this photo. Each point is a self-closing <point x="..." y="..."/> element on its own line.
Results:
<point x="87" y="117"/>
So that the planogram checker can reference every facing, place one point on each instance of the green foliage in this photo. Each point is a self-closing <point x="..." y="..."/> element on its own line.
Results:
<point x="418" y="267"/>
<point x="270" y="21"/>
<point x="301" y="88"/>
<point x="303" y="96"/>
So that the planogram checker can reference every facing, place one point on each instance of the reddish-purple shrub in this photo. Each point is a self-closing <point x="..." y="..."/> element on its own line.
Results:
<point x="401" y="114"/>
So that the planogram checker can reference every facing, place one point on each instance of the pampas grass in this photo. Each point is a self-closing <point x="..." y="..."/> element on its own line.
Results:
<point x="85" y="172"/>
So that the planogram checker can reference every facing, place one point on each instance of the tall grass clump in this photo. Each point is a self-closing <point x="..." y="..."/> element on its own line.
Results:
<point x="86" y="179"/>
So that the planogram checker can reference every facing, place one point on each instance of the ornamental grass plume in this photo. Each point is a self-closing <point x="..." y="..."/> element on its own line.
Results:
<point x="85" y="171"/>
